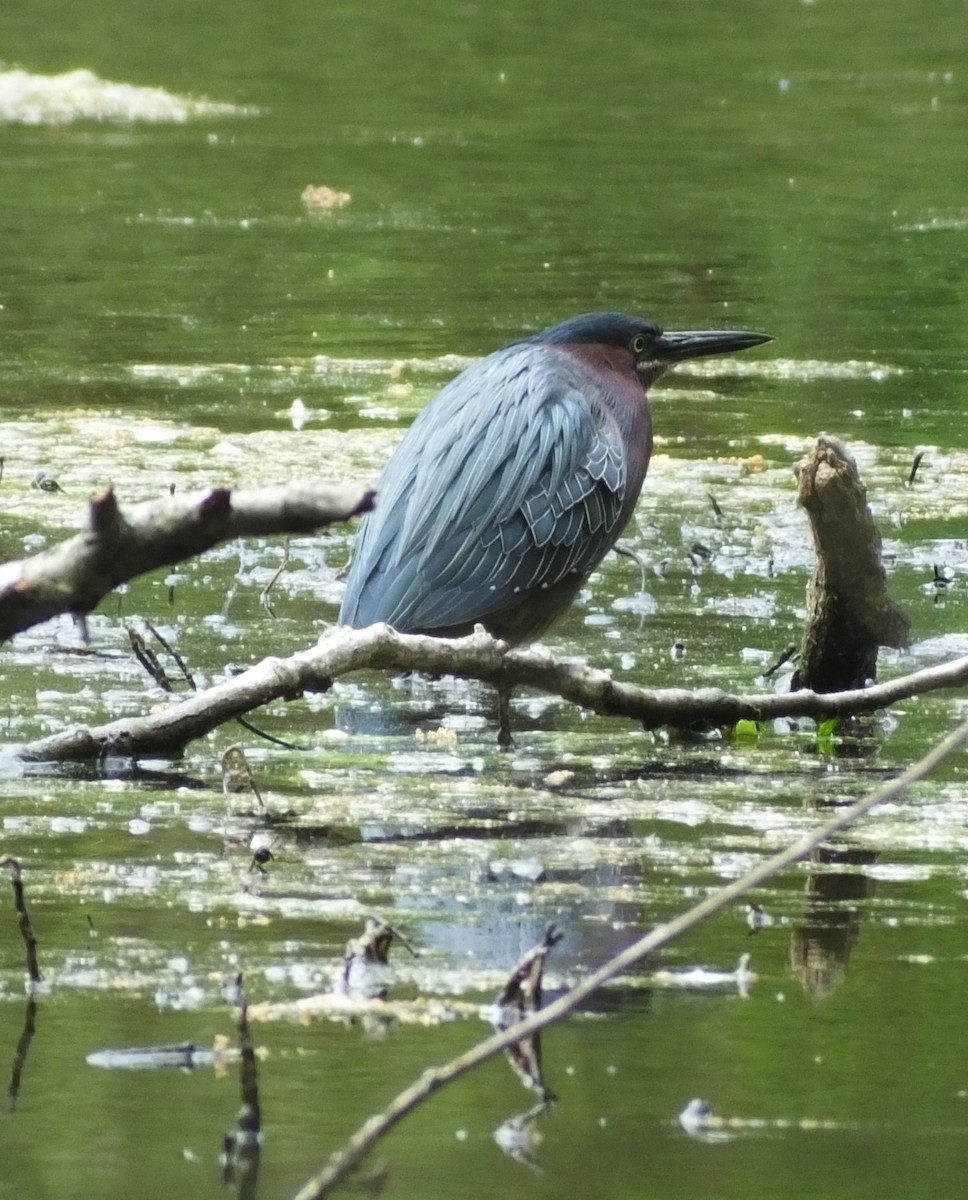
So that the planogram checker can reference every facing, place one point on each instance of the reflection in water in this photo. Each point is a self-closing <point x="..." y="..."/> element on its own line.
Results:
<point x="698" y="1121"/>
<point x="520" y="997"/>
<point x="20" y="1054"/>
<point x="510" y="911"/>
<point x="242" y="1147"/>
<point x="821" y="947"/>
<point x="413" y="699"/>
<point x="366" y="961"/>
<point x="519" y="1137"/>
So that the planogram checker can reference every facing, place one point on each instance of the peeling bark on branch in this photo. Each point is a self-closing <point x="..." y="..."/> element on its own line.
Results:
<point x="75" y="575"/>
<point x="849" y="612"/>
<point x="479" y="656"/>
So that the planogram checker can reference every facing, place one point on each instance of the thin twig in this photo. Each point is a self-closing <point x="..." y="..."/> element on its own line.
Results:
<point x="367" y="1136"/>
<point x="271" y="738"/>
<point x="179" y="661"/>
<point x="264" y="594"/>
<point x="23" y="918"/>
<point x="148" y="659"/>
<point x="918" y="459"/>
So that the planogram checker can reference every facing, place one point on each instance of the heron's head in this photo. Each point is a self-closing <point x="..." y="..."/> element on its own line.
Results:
<point x="652" y="349"/>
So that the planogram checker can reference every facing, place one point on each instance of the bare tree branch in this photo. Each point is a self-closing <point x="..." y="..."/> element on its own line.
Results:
<point x="371" y="1131"/>
<point x="341" y="651"/>
<point x="75" y="575"/>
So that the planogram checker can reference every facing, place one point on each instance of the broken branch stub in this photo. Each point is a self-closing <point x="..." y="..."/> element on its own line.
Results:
<point x="849" y="612"/>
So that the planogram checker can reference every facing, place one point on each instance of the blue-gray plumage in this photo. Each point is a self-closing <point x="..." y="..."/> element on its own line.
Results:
<point x="517" y="479"/>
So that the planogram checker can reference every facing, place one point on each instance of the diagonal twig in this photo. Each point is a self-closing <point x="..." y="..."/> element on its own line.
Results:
<point x="432" y="1080"/>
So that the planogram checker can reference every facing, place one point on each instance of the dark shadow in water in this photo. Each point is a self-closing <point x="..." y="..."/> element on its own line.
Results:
<point x="118" y="767"/>
<point x="313" y="835"/>
<point x="417" y="700"/>
<point x="512" y="908"/>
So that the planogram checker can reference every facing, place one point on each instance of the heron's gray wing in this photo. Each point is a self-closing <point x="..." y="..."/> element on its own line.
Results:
<point x="512" y="479"/>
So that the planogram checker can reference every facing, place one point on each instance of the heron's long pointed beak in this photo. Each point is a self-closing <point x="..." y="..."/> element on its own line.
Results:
<point x="674" y="347"/>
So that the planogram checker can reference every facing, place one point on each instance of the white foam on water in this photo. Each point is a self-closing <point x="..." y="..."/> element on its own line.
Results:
<point x="30" y="99"/>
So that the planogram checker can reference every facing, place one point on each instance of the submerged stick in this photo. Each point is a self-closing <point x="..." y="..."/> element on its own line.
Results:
<point x="250" y="1115"/>
<point x="366" y="1137"/>
<point x="23" y="918"/>
<point x="21" y="1052"/>
<point x="33" y="973"/>
<point x="241" y="1147"/>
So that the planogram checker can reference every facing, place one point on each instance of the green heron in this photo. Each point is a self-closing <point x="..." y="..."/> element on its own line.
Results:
<point x="517" y="479"/>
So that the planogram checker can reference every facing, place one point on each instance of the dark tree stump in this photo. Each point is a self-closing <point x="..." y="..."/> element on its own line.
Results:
<point x="849" y="612"/>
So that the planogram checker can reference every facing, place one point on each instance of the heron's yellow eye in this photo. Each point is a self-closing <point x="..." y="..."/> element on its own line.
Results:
<point x="638" y="344"/>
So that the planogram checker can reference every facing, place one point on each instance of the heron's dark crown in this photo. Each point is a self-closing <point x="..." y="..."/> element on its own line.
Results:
<point x="600" y="328"/>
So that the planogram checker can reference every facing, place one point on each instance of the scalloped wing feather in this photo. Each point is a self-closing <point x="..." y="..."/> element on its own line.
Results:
<point x="512" y="479"/>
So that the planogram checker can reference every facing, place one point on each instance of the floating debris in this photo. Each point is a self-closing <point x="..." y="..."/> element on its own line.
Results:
<point x="298" y="413"/>
<point x="442" y="736"/>
<point x="558" y="779"/>
<point x="320" y="198"/>
<point x="758" y="918"/>
<point x="530" y="869"/>
<point x="703" y="977"/>
<point x="791" y="368"/>
<point x="184" y="1057"/>
<point x="42" y="482"/>
<point x="699" y="1121"/>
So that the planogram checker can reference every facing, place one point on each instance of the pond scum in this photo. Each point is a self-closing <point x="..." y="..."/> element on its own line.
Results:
<point x="517" y="1015"/>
